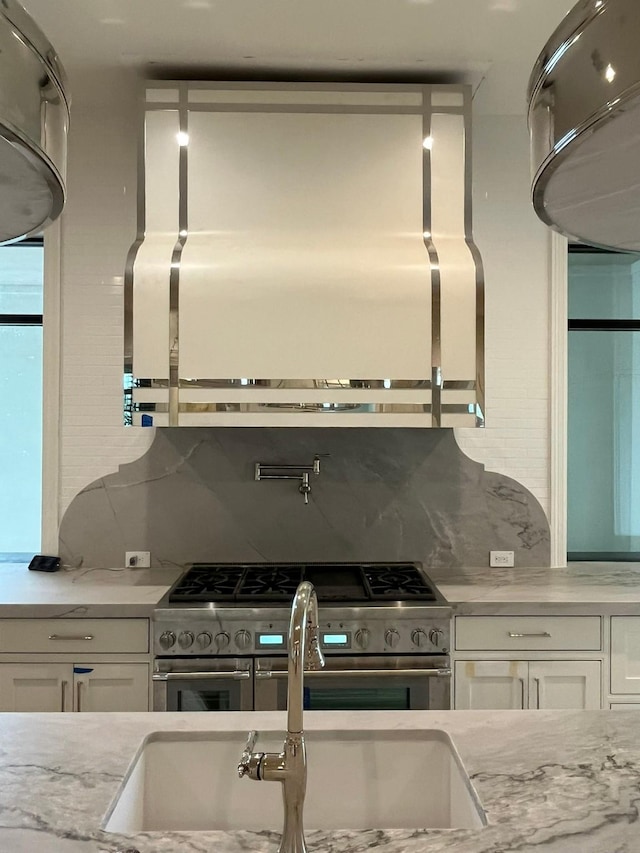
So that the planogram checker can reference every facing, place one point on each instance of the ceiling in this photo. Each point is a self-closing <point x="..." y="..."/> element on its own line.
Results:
<point x="491" y="44"/>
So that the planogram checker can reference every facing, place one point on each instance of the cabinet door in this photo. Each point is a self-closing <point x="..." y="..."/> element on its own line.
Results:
<point x="111" y="687"/>
<point x="625" y="654"/>
<point x="36" y="687"/>
<point x="490" y="685"/>
<point x="564" y="684"/>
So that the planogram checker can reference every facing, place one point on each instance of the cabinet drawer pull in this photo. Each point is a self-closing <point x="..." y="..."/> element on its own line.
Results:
<point x="79" y="697"/>
<point x="514" y="635"/>
<point x="70" y="637"/>
<point x="63" y="695"/>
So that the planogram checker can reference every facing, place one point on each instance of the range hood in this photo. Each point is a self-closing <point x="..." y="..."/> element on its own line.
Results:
<point x="34" y="117"/>
<point x="304" y="257"/>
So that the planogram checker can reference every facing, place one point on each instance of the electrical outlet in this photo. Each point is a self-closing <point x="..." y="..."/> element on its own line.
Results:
<point x="501" y="558"/>
<point x="137" y="559"/>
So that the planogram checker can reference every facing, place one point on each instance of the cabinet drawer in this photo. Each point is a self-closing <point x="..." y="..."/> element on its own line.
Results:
<point x="74" y="635"/>
<point x="528" y="633"/>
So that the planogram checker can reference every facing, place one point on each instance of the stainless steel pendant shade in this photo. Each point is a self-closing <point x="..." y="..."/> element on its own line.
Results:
<point x="34" y="118"/>
<point x="584" y="122"/>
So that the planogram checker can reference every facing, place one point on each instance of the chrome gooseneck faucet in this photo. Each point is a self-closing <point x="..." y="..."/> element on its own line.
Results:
<point x="290" y="765"/>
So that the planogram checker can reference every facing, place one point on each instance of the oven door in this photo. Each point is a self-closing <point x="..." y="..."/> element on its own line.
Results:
<point x="360" y="684"/>
<point x="203" y="684"/>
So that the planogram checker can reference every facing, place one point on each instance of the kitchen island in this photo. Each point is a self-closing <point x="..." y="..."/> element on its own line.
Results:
<point x="553" y="781"/>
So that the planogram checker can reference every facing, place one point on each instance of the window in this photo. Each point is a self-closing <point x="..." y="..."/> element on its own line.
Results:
<point x="21" y="273"/>
<point x="604" y="406"/>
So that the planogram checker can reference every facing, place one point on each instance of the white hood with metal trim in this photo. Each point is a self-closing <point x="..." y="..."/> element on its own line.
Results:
<point x="305" y="257"/>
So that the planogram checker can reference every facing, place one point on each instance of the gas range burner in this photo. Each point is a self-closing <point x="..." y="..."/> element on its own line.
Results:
<point x="259" y="583"/>
<point x="202" y="584"/>
<point x="397" y="583"/>
<point x="272" y="583"/>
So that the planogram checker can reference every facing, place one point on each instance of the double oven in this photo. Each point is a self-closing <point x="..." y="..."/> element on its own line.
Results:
<point x="220" y="639"/>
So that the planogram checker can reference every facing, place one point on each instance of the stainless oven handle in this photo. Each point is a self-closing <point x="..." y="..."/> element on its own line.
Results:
<point x="200" y="676"/>
<point x="440" y="672"/>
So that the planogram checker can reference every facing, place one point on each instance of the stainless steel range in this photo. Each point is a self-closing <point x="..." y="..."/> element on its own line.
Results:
<point x="220" y="638"/>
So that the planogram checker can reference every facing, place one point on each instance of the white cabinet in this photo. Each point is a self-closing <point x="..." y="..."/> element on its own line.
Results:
<point x="69" y="687"/>
<point x="490" y="685"/>
<point x="529" y="633"/>
<point x="565" y="684"/>
<point x="493" y="674"/>
<point x="74" y="665"/>
<point x="36" y="687"/>
<point x="625" y="654"/>
<point x="75" y="636"/>
<point x="111" y="687"/>
<point x="514" y="684"/>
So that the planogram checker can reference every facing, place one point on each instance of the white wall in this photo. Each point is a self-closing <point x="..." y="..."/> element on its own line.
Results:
<point x="515" y="249"/>
<point x="98" y="227"/>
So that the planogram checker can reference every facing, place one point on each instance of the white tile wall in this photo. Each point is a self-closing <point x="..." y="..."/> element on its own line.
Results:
<point x="99" y="225"/>
<point x="515" y="249"/>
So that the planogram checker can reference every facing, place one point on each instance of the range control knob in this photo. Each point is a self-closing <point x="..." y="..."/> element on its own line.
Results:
<point x="204" y="639"/>
<point x="435" y="635"/>
<point x="222" y="640"/>
<point x="391" y="637"/>
<point x="362" y="637"/>
<point x="185" y="639"/>
<point x="167" y="639"/>
<point x="243" y="639"/>
<point x="418" y="637"/>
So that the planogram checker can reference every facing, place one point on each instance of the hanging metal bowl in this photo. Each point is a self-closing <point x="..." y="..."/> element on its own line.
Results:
<point x="584" y="122"/>
<point x="34" y="119"/>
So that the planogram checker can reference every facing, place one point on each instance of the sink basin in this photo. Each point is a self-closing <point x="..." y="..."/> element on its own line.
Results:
<point x="356" y="780"/>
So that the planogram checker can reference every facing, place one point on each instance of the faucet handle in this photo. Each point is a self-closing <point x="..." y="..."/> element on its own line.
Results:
<point x="252" y="738"/>
<point x="316" y="461"/>
<point x="314" y="657"/>
<point x="249" y="761"/>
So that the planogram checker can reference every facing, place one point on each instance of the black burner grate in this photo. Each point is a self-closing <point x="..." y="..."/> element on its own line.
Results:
<point x="397" y="583"/>
<point x="270" y="583"/>
<point x="206" y="582"/>
<point x="334" y="582"/>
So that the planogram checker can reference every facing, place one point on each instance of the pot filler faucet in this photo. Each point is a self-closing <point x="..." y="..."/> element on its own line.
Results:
<point x="290" y="765"/>
<point x="268" y="471"/>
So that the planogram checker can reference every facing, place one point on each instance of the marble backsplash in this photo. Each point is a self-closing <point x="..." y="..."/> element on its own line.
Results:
<point x="382" y="494"/>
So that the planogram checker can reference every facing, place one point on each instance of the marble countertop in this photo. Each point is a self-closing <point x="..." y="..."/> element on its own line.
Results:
<point x="81" y="592"/>
<point x="579" y="587"/>
<point x="558" y="781"/>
